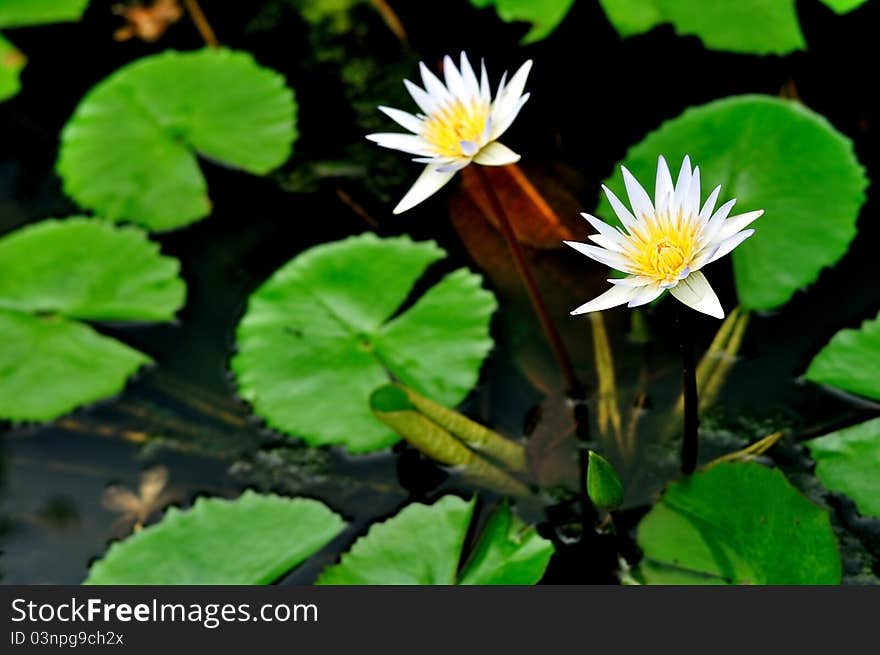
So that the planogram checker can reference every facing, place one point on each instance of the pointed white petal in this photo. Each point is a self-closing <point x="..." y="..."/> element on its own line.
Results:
<point x="429" y="182"/>
<point x="696" y="292"/>
<point x="403" y="118"/>
<point x="435" y="88"/>
<point x="736" y="223"/>
<point x="682" y="184"/>
<point x="425" y="102"/>
<point x="638" y="197"/>
<point x="508" y="98"/>
<point x="709" y="207"/>
<point x="620" y="209"/>
<point x="645" y="295"/>
<point x="454" y="166"/>
<point x="604" y="242"/>
<point x="469" y="148"/>
<point x="692" y="201"/>
<point x="411" y="143"/>
<point x="633" y="281"/>
<point x="453" y="78"/>
<point x="601" y="255"/>
<point x="616" y="295"/>
<point x="713" y="227"/>
<point x="500" y="122"/>
<point x="729" y="244"/>
<point x="496" y="154"/>
<point x="663" y="186"/>
<point x="485" y="89"/>
<point x="608" y="233"/>
<point x="472" y="87"/>
<point x="501" y="85"/>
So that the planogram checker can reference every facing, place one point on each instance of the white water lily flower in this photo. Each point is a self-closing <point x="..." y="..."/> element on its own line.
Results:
<point x="461" y="124"/>
<point x="664" y="245"/>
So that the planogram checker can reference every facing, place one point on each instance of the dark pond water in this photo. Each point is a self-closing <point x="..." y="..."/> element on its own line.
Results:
<point x="592" y="97"/>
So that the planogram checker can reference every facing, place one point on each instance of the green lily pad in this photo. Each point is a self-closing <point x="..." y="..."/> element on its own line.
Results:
<point x="850" y="361"/>
<point x="129" y="150"/>
<point x="54" y="272"/>
<point x="848" y="461"/>
<point x="324" y="331"/>
<point x="252" y="540"/>
<point x="20" y="13"/>
<point x="11" y="63"/>
<point x="721" y="25"/>
<point x="737" y="524"/>
<point x="423" y="545"/>
<point x="544" y="16"/>
<point x="811" y="201"/>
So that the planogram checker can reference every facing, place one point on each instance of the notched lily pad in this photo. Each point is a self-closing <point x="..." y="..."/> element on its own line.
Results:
<point x="544" y="16"/>
<point x="737" y="524"/>
<point x="322" y="333"/>
<point x="55" y="272"/>
<point x="129" y="150"/>
<point x="423" y="545"/>
<point x="252" y="540"/>
<point x="811" y="202"/>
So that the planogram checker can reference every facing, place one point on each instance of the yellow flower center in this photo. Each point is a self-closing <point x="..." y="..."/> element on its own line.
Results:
<point x="664" y="247"/>
<point x="459" y="121"/>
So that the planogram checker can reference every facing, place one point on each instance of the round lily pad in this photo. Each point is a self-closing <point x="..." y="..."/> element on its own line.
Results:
<point x="54" y="272"/>
<point x="811" y="201"/>
<point x="20" y="13"/>
<point x="423" y="545"/>
<point x="737" y="523"/>
<point x="129" y="150"/>
<point x="331" y="325"/>
<point x="252" y="540"/>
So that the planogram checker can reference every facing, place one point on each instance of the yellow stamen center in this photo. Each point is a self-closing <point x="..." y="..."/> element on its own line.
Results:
<point x="458" y="121"/>
<point x="664" y="247"/>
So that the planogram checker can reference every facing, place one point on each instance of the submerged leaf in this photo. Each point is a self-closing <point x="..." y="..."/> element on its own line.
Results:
<point x="129" y="150"/>
<point x="254" y="539"/>
<point x="55" y="271"/>
<point x="810" y="202"/>
<point x="848" y="461"/>
<point x="423" y="545"/>
<point x="321" y="334"/>
<point x="850" y="361"/>
<point x="737" y="524"/>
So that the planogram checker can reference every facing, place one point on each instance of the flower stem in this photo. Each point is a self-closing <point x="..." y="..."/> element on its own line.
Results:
<point x="574" y="387"/>
<point x="201" y="22"/>
<point x="690" y="438"/>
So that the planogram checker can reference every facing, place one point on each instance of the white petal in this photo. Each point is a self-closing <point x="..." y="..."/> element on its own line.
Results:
<point x="736" y="223"/>
<point x="729" y="244"/>
<point x="485" y="89"/>
<point x="429" y="182"/>
<point x="425" y="102"/>
<point x="470" y="148"/>
<point x="403" y="118"/>
<point x="608" y="232"/>
<point x="620" y="209"/>
<point x="509" y="96"/>
<point x="496" y="154"/>
<point x="472" y="87"/>
<point x="500" y="123"/>
<point x="411" y="143"/>
<point x="696" y="292"/>
<point x="601" y="255"/>
<point x="453" y="78"/>
<point x="663" y="186"/>
<point x="638" y="197"/>
<point x="616" y="295"/>
<point x="709" y="207"/>
<point x="435" y="88"/>
<point x="604" y="242"/>
<point x="631" y="281"/>
<point x="645" y="295"/>
<point x="692" y="201"/>
<point x="682" y="184"/>
<point x="713" y="227"/>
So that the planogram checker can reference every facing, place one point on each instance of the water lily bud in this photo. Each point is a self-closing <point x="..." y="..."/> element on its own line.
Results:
<point x="603" y="484"/>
